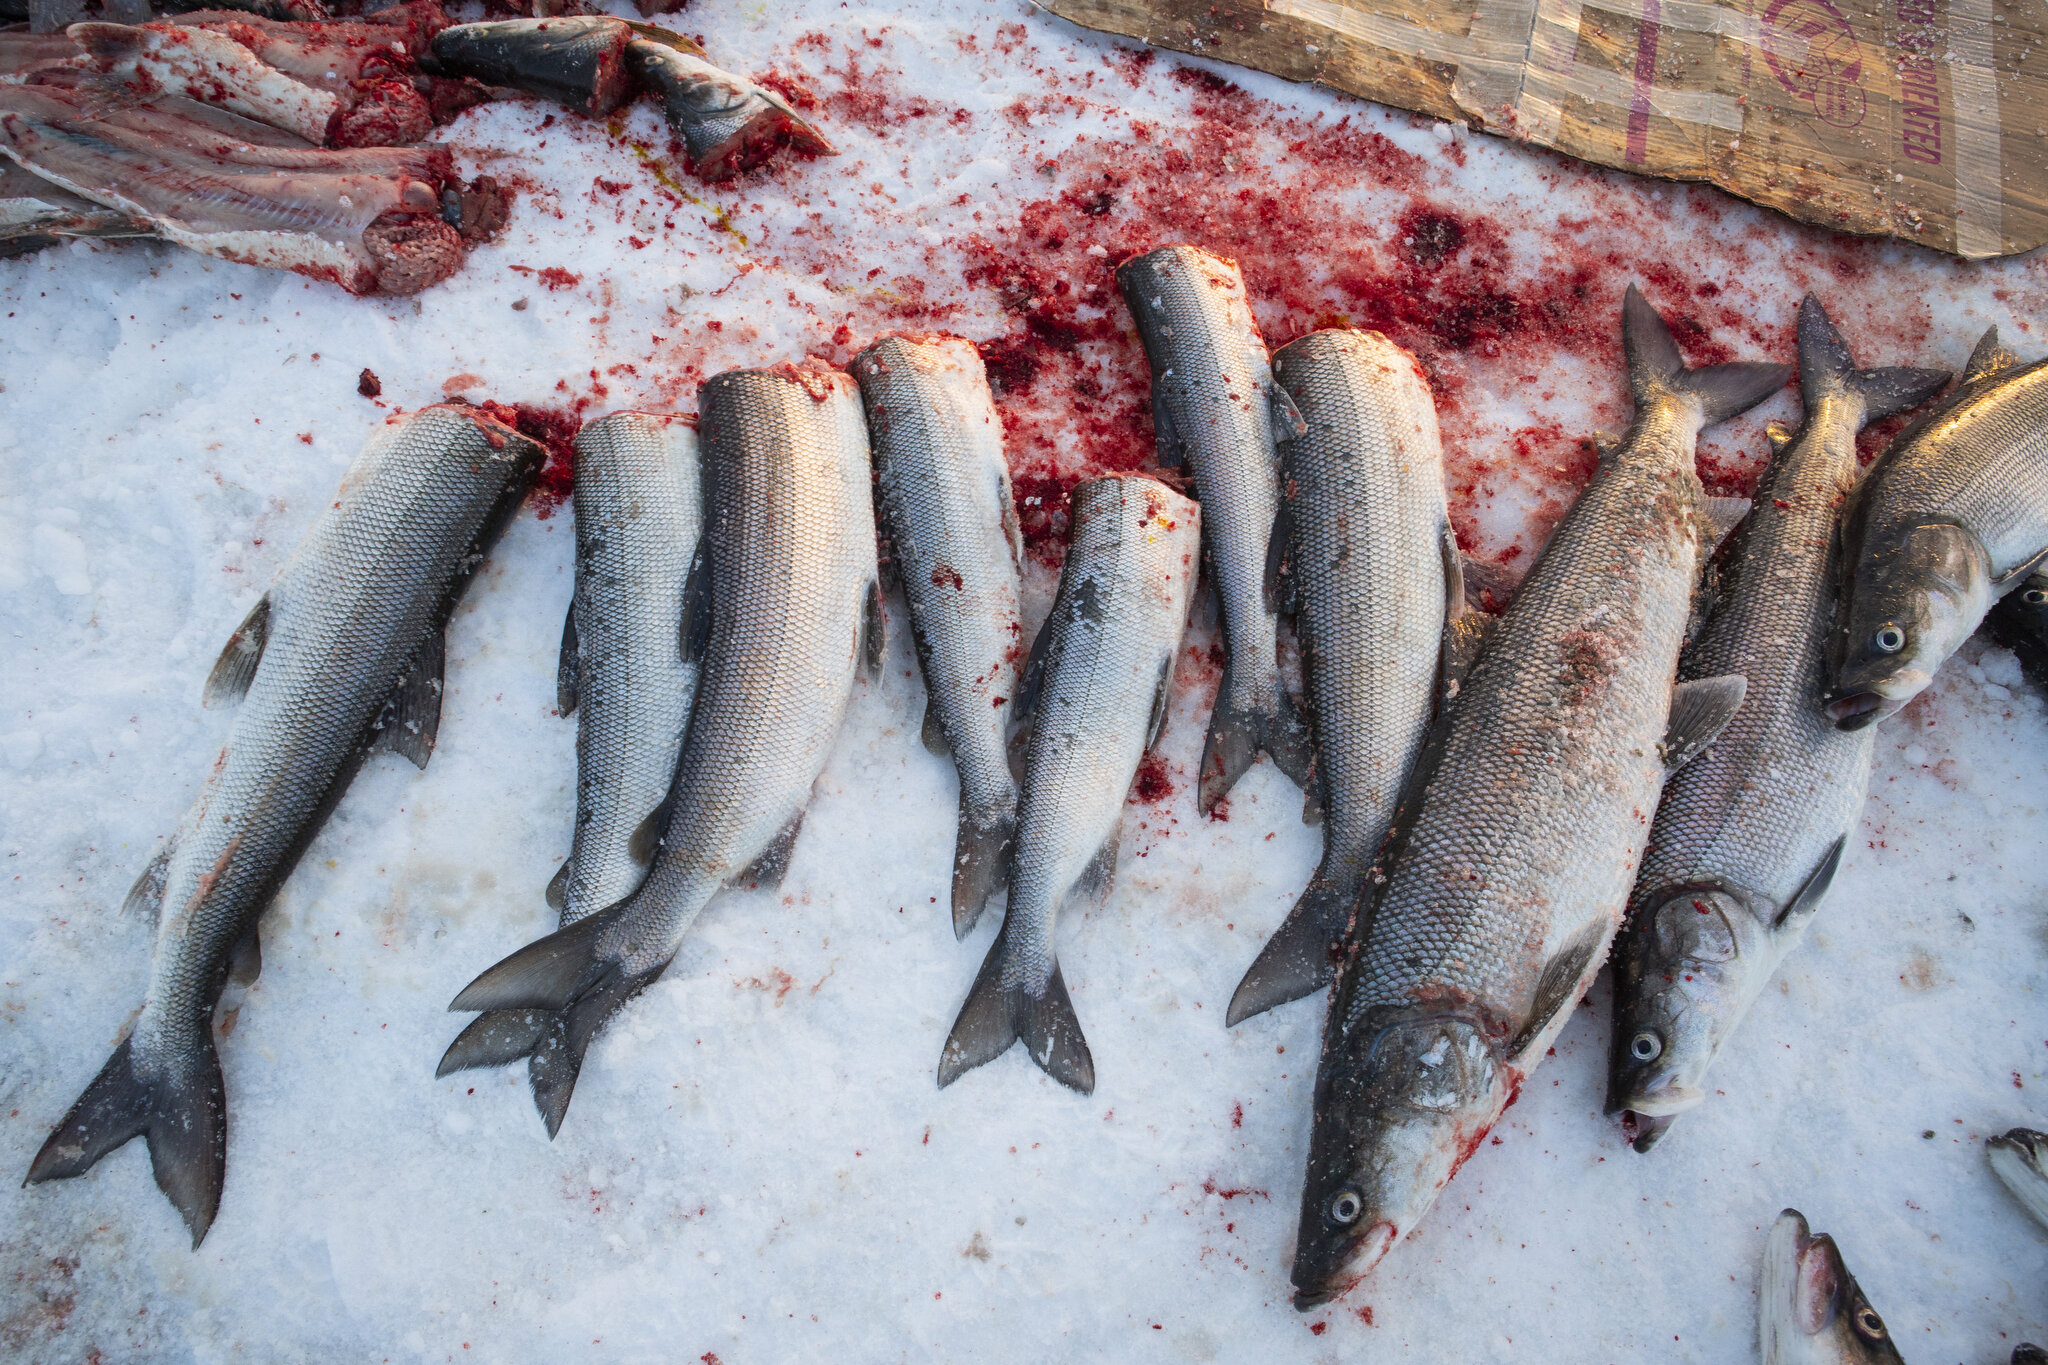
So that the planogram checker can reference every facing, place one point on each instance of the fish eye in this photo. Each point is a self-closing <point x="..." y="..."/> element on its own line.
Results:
<point x="1346" y="1206"/>
<point x="1869" y="1323"/>
<point x="1889" y="639"/>
<point x="1646" y="1046"/>
<point x="2035" y="597"/>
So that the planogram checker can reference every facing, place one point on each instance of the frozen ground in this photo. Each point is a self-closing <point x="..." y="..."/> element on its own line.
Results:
<point x="757" y="1166"/>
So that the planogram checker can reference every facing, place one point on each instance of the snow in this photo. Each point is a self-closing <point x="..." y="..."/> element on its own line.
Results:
<point x="757" y="1165"/>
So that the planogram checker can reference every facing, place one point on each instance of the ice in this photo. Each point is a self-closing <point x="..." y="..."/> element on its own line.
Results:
<point x="757" y="1165"/>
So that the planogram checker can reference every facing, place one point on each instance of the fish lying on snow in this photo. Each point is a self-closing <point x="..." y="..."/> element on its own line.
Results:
<point x="1749" y="834"/>
<point x="342" y="657"/>
<point x="575" y="60"/>
<point x="1215" y="411"/>
<point x="1372" y="570"/>
<point x="2020" y="623"/>
<point x="783" y="609"/>
<point x="1519" y="837"/>
<point x="2019" y="1157"/>
<point x="951" y="523"/>
<point x="1094" y="699"/>
<point x="1810" y="1310"/>
<point x="624" y="674"/>
<point x="729" y="123"/>
<point x="1951" y="518"/>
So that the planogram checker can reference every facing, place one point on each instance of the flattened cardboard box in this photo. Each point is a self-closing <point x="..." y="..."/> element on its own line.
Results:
<point x="1923" y="119"/>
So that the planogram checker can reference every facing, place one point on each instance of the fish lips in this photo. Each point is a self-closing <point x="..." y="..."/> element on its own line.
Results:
<point x="1335" y="1276"/>
<point x="1859" y="709"/>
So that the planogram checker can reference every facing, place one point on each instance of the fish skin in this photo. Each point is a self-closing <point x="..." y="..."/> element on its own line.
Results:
<point x="950" y="518"/>
<point x="1519" y="836"/>
<point x="1214" y="405"/>
<point x="2020" y="623"/>
<point x="1949" y="519"/>
<point x="728" y="123"/>
<point x="357" y="610"/>
<point x="578" y="61"/>
<point x="1371" y="571"/>
<point x="790" y="555"/>
<point x="1748" y="834"/>
<point x="2019" y="1158"/>
<point x="1098" y="682"/>
<point x="1810" y="1310"/>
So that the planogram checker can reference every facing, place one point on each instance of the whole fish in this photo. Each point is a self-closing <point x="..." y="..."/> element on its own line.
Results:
<point x="2019" y="1158"/>
<point x="1215" y="410"/>
<point x="1518" y="841"/>
<point x="639" y="518"/>
<point x="2020" y="623"/>
<point x="951" y="521"/>
<point x="1372" y="569"/>
<point x="729" y="123"/>
<point x="1810" y="1310"/>
<point x="783" y="608"/>
<point x="1094" y="700"/>
<point x="342" y="657"/>
<point x="1952" y="517"/>
<point x="1749" y="834"/>
<point x="575" y="60"/>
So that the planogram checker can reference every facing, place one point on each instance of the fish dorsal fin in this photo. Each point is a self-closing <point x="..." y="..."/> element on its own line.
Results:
<point x="245" y="959"/>
<point x="1723" y="515"/>
<point x="412" y="715"/>
<point x="558" y="886"/>
<point x="236" y="667"/>
<point x="1700" y="711"/>
<point x="934" y="735"/>
<point x="146" y="897"/>
<point x="568" y="666"/>
<point x="874" y="631"/>
<point x="1288" y="423"/>
<point x="1557" y="988"/>
<point x="696" y="624"/>
<point x="1162" y="693"/>
<point x="1279" y="579"/>
<point x="646" y="837"/>
<point x="1024" y="709"/>
<point x="769" y="869"/>
<point x="1100" y="874"/>
<point x="1990" y="356"/>
<point x="1801" y="907"/>
<point x="1173" y="451"/>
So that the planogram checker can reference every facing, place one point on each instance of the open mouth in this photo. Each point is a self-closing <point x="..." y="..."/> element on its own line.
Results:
<point x="1643" y="1130"/>
<point x="1855" y="712"/>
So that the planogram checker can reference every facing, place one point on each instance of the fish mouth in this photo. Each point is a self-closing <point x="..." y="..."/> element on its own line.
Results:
<point x="1643" y="1130"/>
<point x="1857" y="710"/>
<point x="1308" y="1300"/>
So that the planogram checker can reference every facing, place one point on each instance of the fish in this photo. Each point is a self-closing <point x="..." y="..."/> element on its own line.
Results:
<point x="782" y="610"/>
<point x="1215" y="412"/>
<point x="949" y="517"/>
<point x="728" y="123"/>
<point x="639" y="505"/>
<point x="2020" y="623"/>
<point x="1373" y="573"/>
<point x="2019" y="1158"/>
<point x="1092" y="702"/>
<point x="35" y="214"/>
<point x="1952" y="517"/>
<point x="341" y="658"/>
<point x="1810" y="1310"/>
<point x="2027" y="1353"/>
<point x="1750" y="834"/>
<point x="1517" y="842"/>
<point x="578" y="61"/>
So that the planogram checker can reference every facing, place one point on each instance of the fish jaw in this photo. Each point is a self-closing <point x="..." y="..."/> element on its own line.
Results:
<point x="1401" y="1103"/>
<point x="1912" y="598"/>
<point x="1811" y="1311"/>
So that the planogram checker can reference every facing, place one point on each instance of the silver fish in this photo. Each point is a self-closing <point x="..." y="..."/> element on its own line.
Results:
<point x="1094" y="700"/>
<point x="729" y="123"/>
<point x="342" y="657"/>
<point x="783" y="610"/>
<point x="575" y="60"/>
<point x="1952" y="517"/>
<point x="1215" y="410"/>
<point x="1749" y="835"/>
<point x="1372" y="569"/>
<point x="1519" y="838"/>
<point x="1810" y="1310"/>
<point x="639" y="517"/>
<point x="2019" y="1158"/>
<point x="951" y="520"/>
<point x="2020" y="623"/>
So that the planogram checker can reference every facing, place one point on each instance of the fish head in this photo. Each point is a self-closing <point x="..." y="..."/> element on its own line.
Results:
<point x="1400" y="1105"/>
<point x="1908" y="604"/>
<point x="1810" y="1307"/>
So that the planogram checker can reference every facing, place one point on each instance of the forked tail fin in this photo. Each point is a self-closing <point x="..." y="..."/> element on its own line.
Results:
<point x="1301" y="957"/>
<point x="996" y="1016"/>
<point x="1825" y="365"/>
<point x="1655" y="367"/>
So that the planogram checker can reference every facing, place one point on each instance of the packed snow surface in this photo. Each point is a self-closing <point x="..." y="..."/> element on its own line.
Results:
<point x="757" y="1165"/>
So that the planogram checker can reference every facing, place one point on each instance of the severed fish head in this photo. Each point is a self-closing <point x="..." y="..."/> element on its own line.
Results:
<point x="1810" y="1310"/>
<point x="2020" y="1159"/>
<point x="1400" y="1104"/>
<point x="1911" y="598"/>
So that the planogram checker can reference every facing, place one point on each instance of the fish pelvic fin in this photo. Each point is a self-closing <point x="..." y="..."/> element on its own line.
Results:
<point x="996" y="1016"/>
<point x="236" y="668"/>
<point x="181" y="1114"/>
<point x="1239" y="733"/>
<point x="1826" y="365"/>
<point x="1301" y="957"/>
<point x="981" y="860"/>
<point x="1655" y="368"/>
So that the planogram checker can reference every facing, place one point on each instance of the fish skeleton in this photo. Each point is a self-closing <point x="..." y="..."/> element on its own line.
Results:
<point x="639" y="519"/>
<point x="1749" y="835"/>
<point x="783" y="608"/>
<point x="1952" y="517"/>
<point x="1810" y="1310"/>
<point x="1518" y="840"/>
<point x="729" y="123"/>
<point x="343" y="656"/>
<point x="1372" y="570"/>
<point x="1094" y="699"/>
<point x="951" y="522"/>
<point x="2019" y="1158"/>
<point x="1215" y="409"/>
<point x="575" y="60"/>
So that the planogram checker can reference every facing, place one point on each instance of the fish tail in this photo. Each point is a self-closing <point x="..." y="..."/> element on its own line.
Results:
<point x="1240" y="731"/>
<point x="1655" y="368"/>
<point x="494" y="1038"/>
<point x="995" y="1016"/>
<point x="182" y="1115"/>
<point x="1825" y="365"/>
<point x="981" y="856"/>
<point x="1300" y="958"/>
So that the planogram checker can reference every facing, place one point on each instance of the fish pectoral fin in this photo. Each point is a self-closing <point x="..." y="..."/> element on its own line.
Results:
<point x="1723" y="516"/>
<point x="412" y="714"/>
<point x="1100" y="874"/>
<point x="1173" y="450"/>
<point x="874" y="631"/>
<point x="1990" y="356"/>
<point x="1162" y="695"/>
<point x="1557" y="988"/>
<point x="773" y="864"/>
<point x="1279" y="585"/>
<point x="934" y="732"/>
<point x="1800" y="908"/>
<point x="568" y="665"/>
<point x="1700" y="711"/>
<point x="245" y="959"/>
<point x="696" y="622"/>
<point x="236" y="667"/>
<point x="558" y="885"/>
<point x="146" y="897"/>
<point x="1288" y="423"/>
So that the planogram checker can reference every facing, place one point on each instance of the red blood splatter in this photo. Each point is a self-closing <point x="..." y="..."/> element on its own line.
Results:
<point x="555" y="429"/>
<point x="1318" y="1328"/>
<point x="1153" y="785"/>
